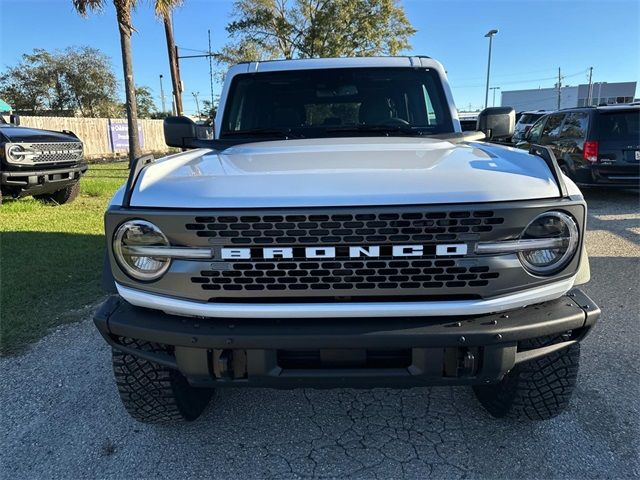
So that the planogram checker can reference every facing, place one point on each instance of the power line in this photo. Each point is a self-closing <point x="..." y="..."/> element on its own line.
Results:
<point x="193" y="50"/>
<point x="511" y="74"/>
<point x="582" y="72"/>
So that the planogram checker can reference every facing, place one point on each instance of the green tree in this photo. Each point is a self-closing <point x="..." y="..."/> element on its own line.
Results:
<point x="90" y="80"/>
<point x="209" y="109"/>
<point x="75" y="79"/>
<point x="145" y="105"/>
<point x="269" y="29"/>
<point x="125" y="27"/>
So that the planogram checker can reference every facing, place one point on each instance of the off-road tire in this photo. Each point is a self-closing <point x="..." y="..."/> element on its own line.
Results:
<point x="535" y="390"/>
<point x="65" y="195"/>
<point x="152" y="393"/>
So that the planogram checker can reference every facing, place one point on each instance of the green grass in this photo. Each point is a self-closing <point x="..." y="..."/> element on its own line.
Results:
<point x="51" y="258"/>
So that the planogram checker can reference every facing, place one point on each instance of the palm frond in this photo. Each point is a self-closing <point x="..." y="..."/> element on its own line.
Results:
<point x="164" y="7"/>
<point x="83" y="6"/>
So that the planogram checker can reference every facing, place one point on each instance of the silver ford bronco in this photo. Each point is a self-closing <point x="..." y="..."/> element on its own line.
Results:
<point x="340" y="230"/>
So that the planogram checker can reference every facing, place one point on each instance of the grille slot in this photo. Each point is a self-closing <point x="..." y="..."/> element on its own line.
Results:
<point x="345" y="229"/>
<point x="344" y="275"/>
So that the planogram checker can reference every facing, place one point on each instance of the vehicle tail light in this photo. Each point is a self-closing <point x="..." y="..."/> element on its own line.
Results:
<point x="590" y="151"/>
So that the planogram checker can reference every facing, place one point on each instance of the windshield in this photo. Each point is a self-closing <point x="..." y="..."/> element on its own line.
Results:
<point x="333" y="102"/>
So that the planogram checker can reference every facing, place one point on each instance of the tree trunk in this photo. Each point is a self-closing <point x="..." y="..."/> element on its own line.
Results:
<point x="123" y="12"/>
<point x="173" y="64"/>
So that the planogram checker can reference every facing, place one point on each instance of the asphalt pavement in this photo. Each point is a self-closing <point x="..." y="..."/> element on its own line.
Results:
<point x="61" y="416"/>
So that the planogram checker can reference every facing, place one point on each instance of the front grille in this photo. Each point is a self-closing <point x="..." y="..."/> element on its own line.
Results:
<point x="278" y="276"/>
<point x="364" y="276"/>
<point x="58" y="152"/>
<point x="53" y="152"/>
<point x="345" y="228"/>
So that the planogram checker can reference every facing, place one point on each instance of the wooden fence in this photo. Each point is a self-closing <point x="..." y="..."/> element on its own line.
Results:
<point x="96" y="133"/>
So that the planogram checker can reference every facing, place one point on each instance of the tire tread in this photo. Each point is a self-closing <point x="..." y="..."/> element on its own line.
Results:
<point x="152" y="393"/>
<point x="535" y="390"/>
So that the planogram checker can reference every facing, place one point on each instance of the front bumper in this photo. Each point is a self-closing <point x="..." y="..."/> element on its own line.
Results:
<point x="347" y="352"/>
<point x="35" y="182"/>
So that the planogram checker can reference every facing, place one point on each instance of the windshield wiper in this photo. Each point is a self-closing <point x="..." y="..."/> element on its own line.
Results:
<point x="384" y="129"/>
<point x="262" y="132"/>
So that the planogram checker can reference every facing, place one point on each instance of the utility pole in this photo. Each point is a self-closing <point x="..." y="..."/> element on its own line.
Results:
<point x="600" y="93"/>
<point x="494" y="95"/>
<point x="210" y="67"/>
<point x="195" y="96"/>
<point x="173" y="64"/>
<point x="164" y="106"/>
<point x="490" y="34"/>
<point x="590" y="92"/>
<point x="210" y="55"/>
<point x="559" y="87"/>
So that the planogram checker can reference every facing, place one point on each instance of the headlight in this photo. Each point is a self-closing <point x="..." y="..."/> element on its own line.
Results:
<point x="561" y="232"/>
<point x="17" y="153"/>
<point x="132" y="235"/>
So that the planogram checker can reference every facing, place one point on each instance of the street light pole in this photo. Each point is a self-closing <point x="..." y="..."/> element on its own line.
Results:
<point x="494" y="95"/>
<point x="490" y="34"/>
<point x="164" y="107"/>
<point x="195" y="96"/>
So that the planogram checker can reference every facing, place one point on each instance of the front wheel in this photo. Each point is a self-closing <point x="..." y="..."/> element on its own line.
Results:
<point x="152" y="393"/>
<point x="535" y="390"/>
<point x="65" y="195"/>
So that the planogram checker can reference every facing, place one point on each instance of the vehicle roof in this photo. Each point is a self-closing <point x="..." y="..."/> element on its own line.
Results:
<point x="348" y="62"/>
<point x="536" y="111"/>
<point x="602" y="108"/>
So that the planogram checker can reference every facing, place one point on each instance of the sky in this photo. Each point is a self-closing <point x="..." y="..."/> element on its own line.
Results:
<point x="535" y="38"/>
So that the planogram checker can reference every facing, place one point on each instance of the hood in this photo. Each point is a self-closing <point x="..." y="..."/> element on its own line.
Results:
<point x="26" y="134"/>
<point x="343" y="172"/>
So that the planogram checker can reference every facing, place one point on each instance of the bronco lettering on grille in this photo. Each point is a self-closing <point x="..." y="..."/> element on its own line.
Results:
<point x="372" y="251"/>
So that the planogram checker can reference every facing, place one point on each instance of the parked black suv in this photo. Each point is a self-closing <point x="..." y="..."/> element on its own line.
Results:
<point x="42" y="163"/>
<point x="593" y="145"/>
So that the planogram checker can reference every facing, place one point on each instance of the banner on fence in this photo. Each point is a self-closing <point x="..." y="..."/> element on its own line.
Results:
<point x="119" y="135"/>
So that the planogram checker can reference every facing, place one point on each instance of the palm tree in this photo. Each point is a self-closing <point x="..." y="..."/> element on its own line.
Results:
<point x="123" y="14"/>
<point x="163" y="9"/>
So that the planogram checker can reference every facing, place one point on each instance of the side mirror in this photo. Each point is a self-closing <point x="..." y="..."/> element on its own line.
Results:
<point x="180" y="132"/>
<point x="497" y="122"/>
<point x="14" y="120"/>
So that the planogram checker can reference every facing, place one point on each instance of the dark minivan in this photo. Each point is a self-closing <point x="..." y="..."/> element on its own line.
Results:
<point x="593" y="145"/>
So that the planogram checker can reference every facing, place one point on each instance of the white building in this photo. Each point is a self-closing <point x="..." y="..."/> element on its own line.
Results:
<point x="547" y="98"/>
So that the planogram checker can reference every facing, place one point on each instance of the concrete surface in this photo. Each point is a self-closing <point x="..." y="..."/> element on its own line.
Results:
<point x="61" y="417"/>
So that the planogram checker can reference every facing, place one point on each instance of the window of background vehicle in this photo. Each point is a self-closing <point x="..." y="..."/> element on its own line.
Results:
<point x="310" y="102"/>
<point x="533" y="136"/>
<point x="623" y="125"/>
<point x="552" y="128"/>
<point x="529" y="118"/>
<point x="575" y="126"/>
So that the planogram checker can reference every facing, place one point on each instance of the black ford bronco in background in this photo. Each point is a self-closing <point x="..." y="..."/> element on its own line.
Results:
<point x="42" y="163"/>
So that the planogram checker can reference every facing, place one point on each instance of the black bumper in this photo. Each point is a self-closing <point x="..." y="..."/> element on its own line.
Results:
<point x="389" y="352"/>
<point x="35" y="182"/>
